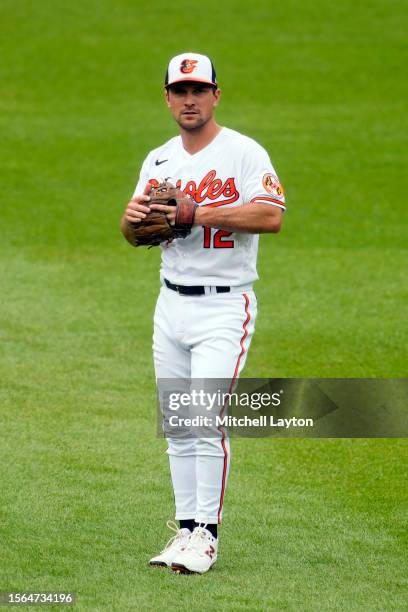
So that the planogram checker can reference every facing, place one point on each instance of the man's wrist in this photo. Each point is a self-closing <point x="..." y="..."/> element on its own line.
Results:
<point x="199" y="214"/>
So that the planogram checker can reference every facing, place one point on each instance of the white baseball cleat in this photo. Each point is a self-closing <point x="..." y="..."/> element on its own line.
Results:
<point x="199" y="555"/>
<point x="173" y="547"/>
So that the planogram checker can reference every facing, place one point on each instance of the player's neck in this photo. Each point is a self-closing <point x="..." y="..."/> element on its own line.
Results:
<point x="195" y="140"/>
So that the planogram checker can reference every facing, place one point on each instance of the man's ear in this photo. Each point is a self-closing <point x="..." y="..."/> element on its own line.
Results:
<point x="166" y="97"/>
<point x="217" y="96"/>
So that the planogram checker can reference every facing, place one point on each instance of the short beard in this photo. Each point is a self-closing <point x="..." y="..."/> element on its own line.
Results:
<point x="194" y="128"/>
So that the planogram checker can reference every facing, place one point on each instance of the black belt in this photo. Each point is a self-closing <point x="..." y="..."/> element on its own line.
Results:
<point x="193" y="290"/>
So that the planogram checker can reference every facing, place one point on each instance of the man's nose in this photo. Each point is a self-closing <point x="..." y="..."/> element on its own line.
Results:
<point x="189" y="100"/>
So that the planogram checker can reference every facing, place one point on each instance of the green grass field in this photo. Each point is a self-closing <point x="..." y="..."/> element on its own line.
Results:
<point x="84" y="489"/>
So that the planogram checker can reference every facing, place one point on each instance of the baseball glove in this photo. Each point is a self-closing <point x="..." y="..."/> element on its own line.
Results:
<point x="155" y="228"/>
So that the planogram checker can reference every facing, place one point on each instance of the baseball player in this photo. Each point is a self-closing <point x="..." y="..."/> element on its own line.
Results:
<point x="206" y="310"/>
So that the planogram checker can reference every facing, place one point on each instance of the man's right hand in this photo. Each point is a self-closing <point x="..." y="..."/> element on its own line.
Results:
<point x="137" y="210"/>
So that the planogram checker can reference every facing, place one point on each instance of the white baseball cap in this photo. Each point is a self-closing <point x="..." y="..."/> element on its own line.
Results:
<point x="190" y="67"/>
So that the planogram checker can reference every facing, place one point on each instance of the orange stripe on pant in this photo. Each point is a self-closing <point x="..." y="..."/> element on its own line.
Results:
<point x="224" y="472"/>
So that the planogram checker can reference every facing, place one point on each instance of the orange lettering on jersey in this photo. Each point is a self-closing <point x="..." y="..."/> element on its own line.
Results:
<point x="215" y="189"/>
<point x="190" y="189"/>
<point x="229" y="188"/>
<point x="202" y="190"/>
<point x="209" y="188"/>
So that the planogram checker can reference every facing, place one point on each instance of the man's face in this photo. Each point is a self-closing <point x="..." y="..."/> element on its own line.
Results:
<point x="192" y="104"/>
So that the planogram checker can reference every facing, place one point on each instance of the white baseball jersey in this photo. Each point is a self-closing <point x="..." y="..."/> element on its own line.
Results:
<point x="232" y="170"/>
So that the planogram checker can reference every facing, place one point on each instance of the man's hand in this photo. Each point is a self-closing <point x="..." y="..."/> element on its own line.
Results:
<point x="136" y="210"/>
<point x="169" y="211"/>
<point x="160" y="214"/>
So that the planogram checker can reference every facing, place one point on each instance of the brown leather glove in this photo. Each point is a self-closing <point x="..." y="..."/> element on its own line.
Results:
<point x="155" y="228"/>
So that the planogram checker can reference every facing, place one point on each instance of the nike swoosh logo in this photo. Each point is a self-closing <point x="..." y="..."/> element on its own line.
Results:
<point x="161" y="162"/>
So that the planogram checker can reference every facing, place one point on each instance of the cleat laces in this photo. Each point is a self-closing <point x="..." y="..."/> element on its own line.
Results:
<point x="174" y="539"/>
<point x="198" y="540"/>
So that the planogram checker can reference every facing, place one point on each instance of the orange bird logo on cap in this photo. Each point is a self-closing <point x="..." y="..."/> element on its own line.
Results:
<point x="187" y="66"/>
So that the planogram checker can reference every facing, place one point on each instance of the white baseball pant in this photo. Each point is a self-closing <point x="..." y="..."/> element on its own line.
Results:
<point x="201" y="337"/>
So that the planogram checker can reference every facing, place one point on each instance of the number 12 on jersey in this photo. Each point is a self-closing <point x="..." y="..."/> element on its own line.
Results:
<point x="217" y="238"/>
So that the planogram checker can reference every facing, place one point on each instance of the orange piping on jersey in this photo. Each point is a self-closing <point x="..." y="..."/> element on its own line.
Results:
<point x="269" y="199"/>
